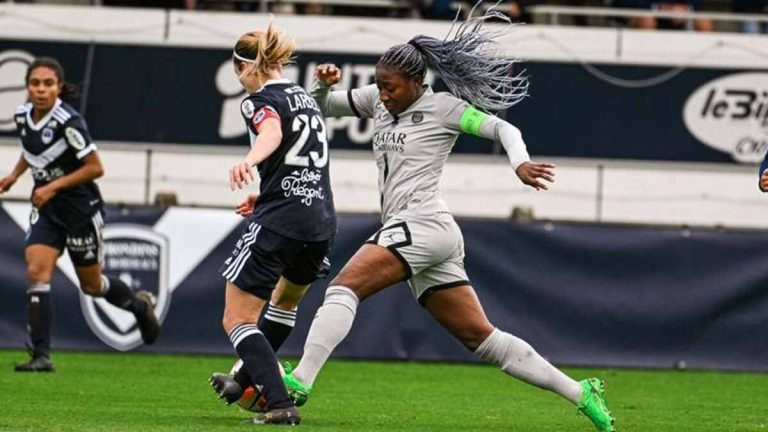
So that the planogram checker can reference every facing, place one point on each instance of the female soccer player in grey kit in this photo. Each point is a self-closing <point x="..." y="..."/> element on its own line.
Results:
<point x="414" y="131"/>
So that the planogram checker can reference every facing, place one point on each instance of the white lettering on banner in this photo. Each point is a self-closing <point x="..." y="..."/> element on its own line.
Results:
<point x="13" y="89"/>
<point x="297" y="185"/>
<point x="132" y="249"/>
<point x="730" y="114"/>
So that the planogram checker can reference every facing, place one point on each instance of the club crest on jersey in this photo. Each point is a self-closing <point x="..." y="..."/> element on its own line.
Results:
<point x="247" y="108"/>
<point x="417" y="117"/>
<point x="47" y="135"/>
<point x="138" y="256"/>
<point x="75" y="138"/>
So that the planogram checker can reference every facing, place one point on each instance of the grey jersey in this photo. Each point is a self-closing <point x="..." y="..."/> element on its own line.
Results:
<point x="410" y="148"/>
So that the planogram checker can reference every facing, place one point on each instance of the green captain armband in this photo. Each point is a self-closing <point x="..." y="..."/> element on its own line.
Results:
<point x="471" y="120"/>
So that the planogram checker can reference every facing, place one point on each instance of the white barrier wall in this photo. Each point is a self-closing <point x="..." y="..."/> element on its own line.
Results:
<point x="479" y="186"/>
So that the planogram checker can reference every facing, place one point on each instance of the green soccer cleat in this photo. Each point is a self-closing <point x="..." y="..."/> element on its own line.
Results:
<point x="592" y="404"/>
<point x="296" y="390"/>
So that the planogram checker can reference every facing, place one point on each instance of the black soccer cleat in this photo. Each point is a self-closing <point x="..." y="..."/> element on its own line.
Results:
<point x="36" y="364"/>
<point x="226" y="387"/>
<point x="279" y="416"/>
<point x="147" y="321"/>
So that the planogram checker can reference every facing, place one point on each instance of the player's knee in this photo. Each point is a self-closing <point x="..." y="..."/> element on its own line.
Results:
<point x="472" y="337"/>
<point x="356" y="286"/>
<point x="286" y="304"/>
<point x="90" y="288"/>
<point x="38" y="273"/>
<point x="231" y="320"/>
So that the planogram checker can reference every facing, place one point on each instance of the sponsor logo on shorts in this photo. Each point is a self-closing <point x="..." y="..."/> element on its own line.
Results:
<point x="138" y="256"/>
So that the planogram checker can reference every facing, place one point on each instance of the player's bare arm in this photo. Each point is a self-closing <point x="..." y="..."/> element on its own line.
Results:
<point x="8" y="181"/>
<point x="89" y="171"/>
<point x="245" y="208"/>
<point x="328" y="73"/>
<point x="268" y="140"/>
<point x="531" y="174"/>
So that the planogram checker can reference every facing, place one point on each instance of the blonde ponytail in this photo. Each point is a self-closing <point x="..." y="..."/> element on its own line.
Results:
<point x="264" y="50"/>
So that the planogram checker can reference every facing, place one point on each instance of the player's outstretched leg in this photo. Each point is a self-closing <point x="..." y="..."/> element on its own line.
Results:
<point x="298" y="391"/>
<point x="279" y="416"/>
<point x="276" y="325"/>
<point x="149" y="326"/>
<point x="459" y="311"/>
<point x="331" y="325"/>
<point x="592" y="404"/>
<point x="226" y="387"/>
<point x="39" y="321"/>
<point x="140" y="304"/>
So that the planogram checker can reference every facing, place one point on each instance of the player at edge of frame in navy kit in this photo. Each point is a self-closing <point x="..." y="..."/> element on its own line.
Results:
<point x="762" y="175"/>
<point x="67" y="209"/>
<point x="291" y="222"/>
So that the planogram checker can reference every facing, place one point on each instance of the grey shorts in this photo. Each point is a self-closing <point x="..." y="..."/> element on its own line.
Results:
<point x="431" y="247"/>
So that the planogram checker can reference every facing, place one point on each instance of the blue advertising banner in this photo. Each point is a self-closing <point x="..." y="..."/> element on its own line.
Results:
<point x="580" y="294"/>
<point x="191" y="96"/>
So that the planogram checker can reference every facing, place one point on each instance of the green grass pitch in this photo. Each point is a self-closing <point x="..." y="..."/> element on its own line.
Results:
<point x="139" y="392"/>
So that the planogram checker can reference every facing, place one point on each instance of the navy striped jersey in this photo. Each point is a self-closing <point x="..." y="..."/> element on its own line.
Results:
<point x="54" y="147"/>
<point x="295" y="192"/>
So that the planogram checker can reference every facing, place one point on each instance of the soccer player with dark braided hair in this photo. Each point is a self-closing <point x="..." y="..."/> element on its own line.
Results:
<point x="414" y="132"/>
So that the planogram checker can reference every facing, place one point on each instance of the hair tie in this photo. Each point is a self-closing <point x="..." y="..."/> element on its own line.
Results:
<point x="241" y="58"/>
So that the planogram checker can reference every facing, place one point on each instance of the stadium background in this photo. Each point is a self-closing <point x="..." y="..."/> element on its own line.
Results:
<point x="648" y="252"/>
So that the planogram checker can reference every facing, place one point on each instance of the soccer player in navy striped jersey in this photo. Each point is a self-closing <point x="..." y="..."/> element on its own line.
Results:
<point x="67" y="209"/>
<point x="292" y="222"/>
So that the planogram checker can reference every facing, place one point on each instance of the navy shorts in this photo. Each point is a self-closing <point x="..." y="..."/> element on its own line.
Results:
<point x="83" y="241"/>
<point x="262" y="256"/>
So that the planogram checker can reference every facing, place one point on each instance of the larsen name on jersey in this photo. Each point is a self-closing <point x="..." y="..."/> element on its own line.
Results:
<point x="295" y="197"/>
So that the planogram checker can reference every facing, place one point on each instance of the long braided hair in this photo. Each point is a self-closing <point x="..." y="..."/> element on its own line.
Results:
<point x="467" y="61"/>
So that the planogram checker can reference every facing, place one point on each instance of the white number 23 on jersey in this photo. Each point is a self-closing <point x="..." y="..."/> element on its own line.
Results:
<point x="306" y="125"/>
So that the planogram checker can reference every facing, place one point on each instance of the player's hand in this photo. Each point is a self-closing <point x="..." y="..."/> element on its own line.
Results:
<point x="246" y="207"/>
<point x="42" y="195"/>
<point x="6" y="183"/>
<point x="532" y="173"/>
<point x="328" y="74"/>
<point x="240" y="175"/>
